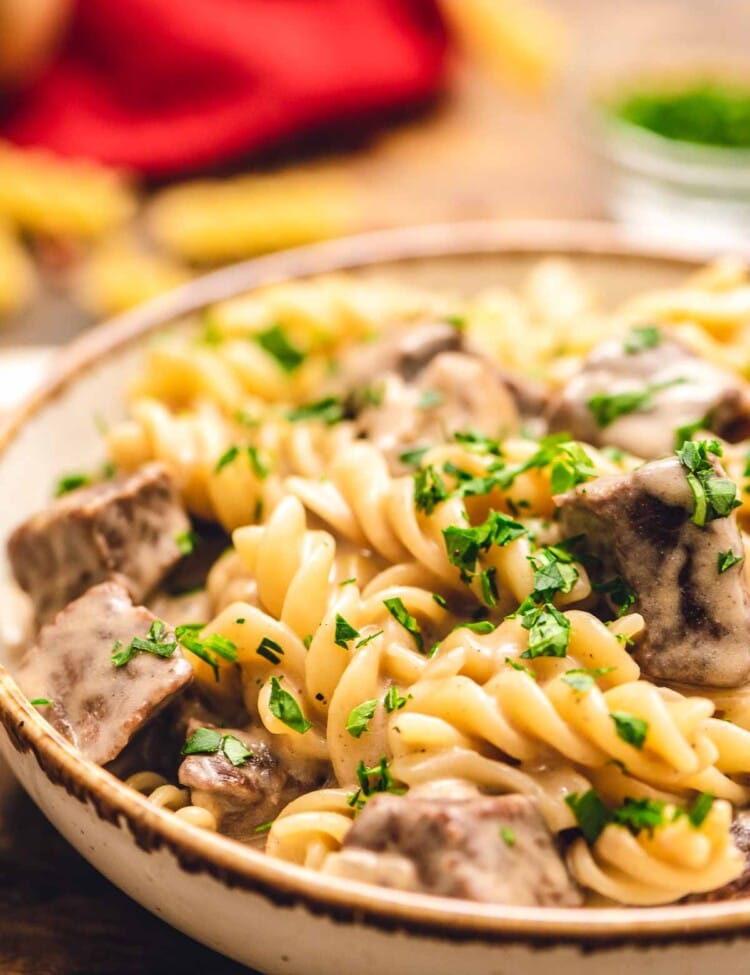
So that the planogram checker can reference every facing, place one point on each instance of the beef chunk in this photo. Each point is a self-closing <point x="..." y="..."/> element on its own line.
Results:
<point x="245" y="796"/>
<point x="124" y="530"/>
<point x="684" y="389"/>
<point x="454" y="392"/>
<point x="98" y="706"/>
<point x="697" y="619"/>
<point x="491" y="849"/>
<point x="404" y="353"/>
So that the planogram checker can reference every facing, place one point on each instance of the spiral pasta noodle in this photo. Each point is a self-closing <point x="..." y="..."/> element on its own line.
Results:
<point x="429" y="627"/>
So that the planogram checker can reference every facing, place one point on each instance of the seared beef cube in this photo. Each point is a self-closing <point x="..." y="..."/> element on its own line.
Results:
<point x="678" y="387"/>
<point x="455" y="392"/>
<point x="99" y="706"/>
<point x="244" y="796"/>
<point x="697" y="618"/>
<point x="741" y="886"/>
<point x="404" y="352"/>
<point x="491" y="849"/>
<point x="125" y="530"/>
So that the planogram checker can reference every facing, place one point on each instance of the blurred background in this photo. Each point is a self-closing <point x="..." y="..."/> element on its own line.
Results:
<point x="144" y="142"/>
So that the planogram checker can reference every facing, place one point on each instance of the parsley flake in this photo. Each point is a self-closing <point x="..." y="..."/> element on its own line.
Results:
<point x="345" y="632"/>
<point x="285" y="707"/>
<point x="630" y="728"/>
<point x="393" y="701"/>
<point x="726" y="560"/>
<point x="549" y="632"/>
<point x="329" y="410"/>
<point x="368" y="639"/>
<point x="608" y="407"/>
<point x="429" y="489"/>
<point x="619" y="592"/>
<point x="277" y="345"/>
<point x="402" y="615"/>
<point x="71" y="482"/>
<point x="360" y="717"/>
<point x="206" y="741"/>
<point x="153" y="643"/>
<point x="270" y="650"/>
<point x="641" y="338"/>
<point x="464" y="545"/>
<point x="700" y="809"/>
<point x="713" y="496"/>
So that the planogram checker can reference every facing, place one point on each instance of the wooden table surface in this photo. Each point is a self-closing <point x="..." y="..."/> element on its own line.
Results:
<point x="483" y="152"/>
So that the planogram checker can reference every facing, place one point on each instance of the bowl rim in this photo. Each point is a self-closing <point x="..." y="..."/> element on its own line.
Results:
<point x="230" y="862"/>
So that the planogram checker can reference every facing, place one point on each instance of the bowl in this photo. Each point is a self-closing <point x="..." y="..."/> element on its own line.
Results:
<point x="272" y="915"/>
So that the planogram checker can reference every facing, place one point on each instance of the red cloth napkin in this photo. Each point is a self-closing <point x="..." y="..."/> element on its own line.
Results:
<point x="163" y="86"/>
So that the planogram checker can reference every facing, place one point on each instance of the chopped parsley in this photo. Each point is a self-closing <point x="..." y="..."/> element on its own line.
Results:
<point x="274" y="341"/>
<point x="549" y="632"/>
<point x="639" y="814"/>
<point x="345" y="632"/>
<point x="478" y="442"/>
<point x="235" y="750"/>
<point x="154" y="643"/>
<point x="285" y="707"/>
<point x="440" y="600"/>
<point x="209" y="649"/>
<point x="413" y="456"/>
<point x="368" y="639"/>
<point x="481" y="626"/>
<point x="608" y="407"/>
<point x="402" y="615"/>
<point x="553" y="573"/>
<point x="186" y="542"/>
<point x="464" y="545"/>
<point x="630" y="728"/>
<point x="232" y="453"/>
<point x="619" y="592"/>
<point x="40" y="702"/>
<point x="726" y="560"/>
<point x="516" y="666"/>
<point x="429" y="489"/>
<point x="714" y="496"/>
<point x="270" y="650"/>
<point x="206" y="741"/>
<point x="360" y="717"/>
<point x="329" y="410"/>
<point x="71" y="482"/>
<point x="700" y="809"/>
<point x="592" y="816"/>
<point x="590" y="813"/>
<point x="641" y="338"/>
<point x="488" y="583"/>
<point x="508" y="836"/>
<point x="456" y="321"/>
<point x="264" y="827"/>
<point x="371" y="781"/>
<point x="393" y="701"/>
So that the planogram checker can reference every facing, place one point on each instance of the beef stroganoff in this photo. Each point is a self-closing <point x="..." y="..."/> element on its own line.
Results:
<point x="442" y="594"/>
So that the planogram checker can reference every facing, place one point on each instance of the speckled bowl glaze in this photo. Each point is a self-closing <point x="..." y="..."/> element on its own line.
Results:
<point x="271" y="915"/>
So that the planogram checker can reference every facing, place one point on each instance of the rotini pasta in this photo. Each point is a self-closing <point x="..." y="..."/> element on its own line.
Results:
<point x="447" y="606"/>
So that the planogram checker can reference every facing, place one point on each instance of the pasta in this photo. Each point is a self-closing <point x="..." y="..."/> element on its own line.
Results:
<point x="435" y="597"/>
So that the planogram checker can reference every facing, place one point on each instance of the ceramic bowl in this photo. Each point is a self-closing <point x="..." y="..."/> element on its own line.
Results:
<point x="271" y="915"/>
